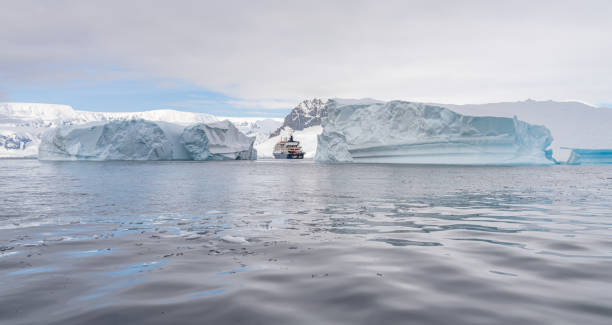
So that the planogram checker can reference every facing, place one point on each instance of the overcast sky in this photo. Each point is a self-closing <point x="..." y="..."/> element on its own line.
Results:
<point x="255" y="57"/>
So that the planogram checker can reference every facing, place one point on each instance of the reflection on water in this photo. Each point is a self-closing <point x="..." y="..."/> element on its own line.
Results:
<point x="298" y="242"/>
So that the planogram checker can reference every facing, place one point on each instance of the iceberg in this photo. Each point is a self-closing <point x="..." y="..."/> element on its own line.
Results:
<point x="116" y="140"/>
<point x="218" y="141"/>
<point x="590" y="156"/>
<point x="139" y="139"/>
<point x="572" y="124"/>
<point x="415" y="133"/>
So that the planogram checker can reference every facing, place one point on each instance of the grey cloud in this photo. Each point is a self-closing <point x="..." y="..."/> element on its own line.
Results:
<point x="442" y="51"/>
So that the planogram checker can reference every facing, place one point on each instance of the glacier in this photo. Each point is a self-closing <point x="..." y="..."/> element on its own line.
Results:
<point x="406" y="132"/>
<point x="139" y="139"/>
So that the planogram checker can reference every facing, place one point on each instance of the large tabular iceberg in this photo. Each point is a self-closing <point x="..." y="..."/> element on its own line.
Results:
<point x="146" y="140"/>
<point x="404" y="132"/>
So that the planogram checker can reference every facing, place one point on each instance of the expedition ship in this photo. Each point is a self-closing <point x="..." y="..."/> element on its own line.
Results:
<point x="288" y="149"/>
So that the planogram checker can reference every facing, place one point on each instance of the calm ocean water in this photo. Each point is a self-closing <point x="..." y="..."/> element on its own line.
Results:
<point x="294" y="242"/>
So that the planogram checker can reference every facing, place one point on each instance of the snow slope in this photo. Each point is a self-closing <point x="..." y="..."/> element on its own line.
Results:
<point x="404" y="132"/>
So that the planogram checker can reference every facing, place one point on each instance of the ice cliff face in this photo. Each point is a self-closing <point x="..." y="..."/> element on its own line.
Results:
<point x="116" y="140"/>
<point x="306" y="114"/>
<point x="572" y="124"/>
<point x="217" y="141"/>
<point x="590" y="157"/>
<point x="404" y="132"/>
<point x="145" y="140"/>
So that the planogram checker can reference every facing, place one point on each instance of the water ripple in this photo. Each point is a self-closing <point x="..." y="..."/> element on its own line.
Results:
<point x="303" y="243"/>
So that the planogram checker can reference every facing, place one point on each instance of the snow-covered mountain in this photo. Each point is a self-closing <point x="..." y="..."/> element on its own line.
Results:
<point x="306" y="114"/>
<point x="22" y="124"/>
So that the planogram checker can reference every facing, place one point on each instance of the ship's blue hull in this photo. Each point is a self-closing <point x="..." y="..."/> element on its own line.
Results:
<point x="287" y="156"/>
